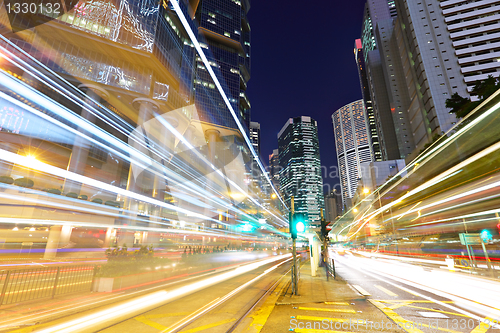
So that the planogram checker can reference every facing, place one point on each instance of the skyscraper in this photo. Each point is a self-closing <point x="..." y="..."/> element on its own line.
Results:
<point x="444" y="47"/>
<point x="365" y="91"/>
<point x="350" y="128"/>
<point x="377" y="11"/>
<point x="224" y="25"/>
<point x="300" y="174"/>
<point x="255" y="136"/>
<point x="331" y="206"/>
<point x="274" y="168"/>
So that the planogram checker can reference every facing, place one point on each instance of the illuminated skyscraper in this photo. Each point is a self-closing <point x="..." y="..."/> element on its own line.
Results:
<point x="255" y="136"/>
<point x="363" y="81"/>
<point x="350" y="128"/>
<point x="300" y="174"/>
<point x="224" y="25"/>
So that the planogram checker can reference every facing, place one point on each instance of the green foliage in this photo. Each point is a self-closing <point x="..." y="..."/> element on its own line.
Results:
<point x="72" y="195"/>
<point x="83" y="197"/>
<point x="6" y="180"/>
<point x="112" y="203"/>
<point x="97" y="200"/>
<point x="53" y="191"/>
<point x="24" y="182"/>
<point x="462" y="106"/>
<point x="435" y="138"/>
<point x="122" y="262"/>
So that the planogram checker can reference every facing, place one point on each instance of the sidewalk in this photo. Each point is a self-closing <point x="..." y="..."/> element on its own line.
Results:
<point x="321" y="306"/>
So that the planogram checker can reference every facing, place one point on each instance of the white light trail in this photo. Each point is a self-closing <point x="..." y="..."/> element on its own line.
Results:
<point x="144" y="303"/>
<point x="196" y="44"/>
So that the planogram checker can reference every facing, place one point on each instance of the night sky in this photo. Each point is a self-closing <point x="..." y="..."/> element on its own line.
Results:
<point x="303" y="65"/>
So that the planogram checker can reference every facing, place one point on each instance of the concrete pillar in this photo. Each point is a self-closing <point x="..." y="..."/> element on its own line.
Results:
<point x="59" y="236"/>
<point x="314" y="249"/>
<point x="110" y="237"/>
<point x="213" y="137"/>
<point x="79" y="154"/>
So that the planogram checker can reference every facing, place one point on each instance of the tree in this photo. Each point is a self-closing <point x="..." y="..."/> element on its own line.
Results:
<point x="462" y="106"/>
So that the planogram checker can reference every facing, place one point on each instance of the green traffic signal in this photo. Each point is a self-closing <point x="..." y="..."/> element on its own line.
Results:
<point x="297" y="223"/>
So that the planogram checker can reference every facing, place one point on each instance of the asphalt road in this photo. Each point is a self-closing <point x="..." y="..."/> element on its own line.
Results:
<point x="420" y="304"/>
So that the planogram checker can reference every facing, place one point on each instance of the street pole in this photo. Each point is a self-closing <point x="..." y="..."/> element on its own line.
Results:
<point x="325" y="251"/>
<point x="295" y="289"/>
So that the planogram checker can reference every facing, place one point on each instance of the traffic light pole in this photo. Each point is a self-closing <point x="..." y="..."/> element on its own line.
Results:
<point x="295" y="289"/>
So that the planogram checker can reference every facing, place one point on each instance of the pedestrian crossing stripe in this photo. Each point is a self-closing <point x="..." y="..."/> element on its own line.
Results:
<point x="361" y="290"/>
<point x="336" y="303"/>
<point x="328" y="310"/>
<point x="313" y="318"/>
<point x="387" y="291"/>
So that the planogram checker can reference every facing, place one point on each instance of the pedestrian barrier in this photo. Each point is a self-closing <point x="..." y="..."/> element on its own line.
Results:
<point x="27" y="284"/>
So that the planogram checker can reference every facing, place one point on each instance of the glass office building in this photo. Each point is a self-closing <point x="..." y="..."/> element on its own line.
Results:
<point x="224" y="26"/>
<point x="104" y="122"/>
<point x="300" y="166"/>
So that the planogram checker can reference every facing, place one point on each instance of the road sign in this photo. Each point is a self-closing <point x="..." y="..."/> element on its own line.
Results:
<point x="470" y="239"/>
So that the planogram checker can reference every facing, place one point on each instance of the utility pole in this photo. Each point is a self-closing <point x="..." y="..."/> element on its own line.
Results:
<point x="295" y="289"/>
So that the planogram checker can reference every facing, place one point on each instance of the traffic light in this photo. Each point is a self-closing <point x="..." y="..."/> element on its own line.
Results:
<point x="486" y="235"/>
<point x="297" y="223"/>
<point x="324" y="232"/>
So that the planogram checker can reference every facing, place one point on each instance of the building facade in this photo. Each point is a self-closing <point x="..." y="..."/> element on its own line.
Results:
<point x="434" y="40"/>
<point x="255" y="136"/>
<point x="331" y="206"/>
<point x="350" y="129"/>
<point x="365" y="92"/>
<point x="377" y="11"/>
<point x="274" y="168"/>
<point x="300" y="174"/>
<point x="224" y="26"/>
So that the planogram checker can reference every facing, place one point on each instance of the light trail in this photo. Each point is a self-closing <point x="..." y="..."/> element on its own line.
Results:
<point x="146" y="302"/>
<point x="203" y="57"/>
<point x="213" y="304"/>
<point x="445" y="284"/>
<point x="159" y="169"/>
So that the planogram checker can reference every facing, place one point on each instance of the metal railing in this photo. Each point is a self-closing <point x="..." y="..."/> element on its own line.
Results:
<point x="329" y="265"/>
<point x="28" y="284"/>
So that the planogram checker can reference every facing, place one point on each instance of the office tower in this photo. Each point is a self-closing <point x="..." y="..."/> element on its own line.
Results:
<point x="350" y="129"/>
<point x="365" y="91"/>
<point x="375" y="174"/>
<point x="274" y="168"/>
<point x="445" y="47"/>
<point x="255" y="136"/>
<point x="376" y="11"/>
<point x="225" y="27"/>
<point x="331" y="206"/>
<point x="300" y="174"/>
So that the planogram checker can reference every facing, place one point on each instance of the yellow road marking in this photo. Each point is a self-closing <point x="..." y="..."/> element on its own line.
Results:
<point x="261" y="315"/>
<point x="410" y="301"/>
<point x="361" y="290"/>
<point x="400" y="305"/>
<point x="308" y="330"/>
<point x="440" y="311"/>
<point x="328" y="310"/>
<point x="336" y="303"/>
<point x="407" y="325"/>
<point x="205" y="327"/>
<point x="313" y="318"/>
<point x="483" y="327"/>
<point x="165" y="315"/>
<point x="151" y="323"/>
<point x="387" y="291"/>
